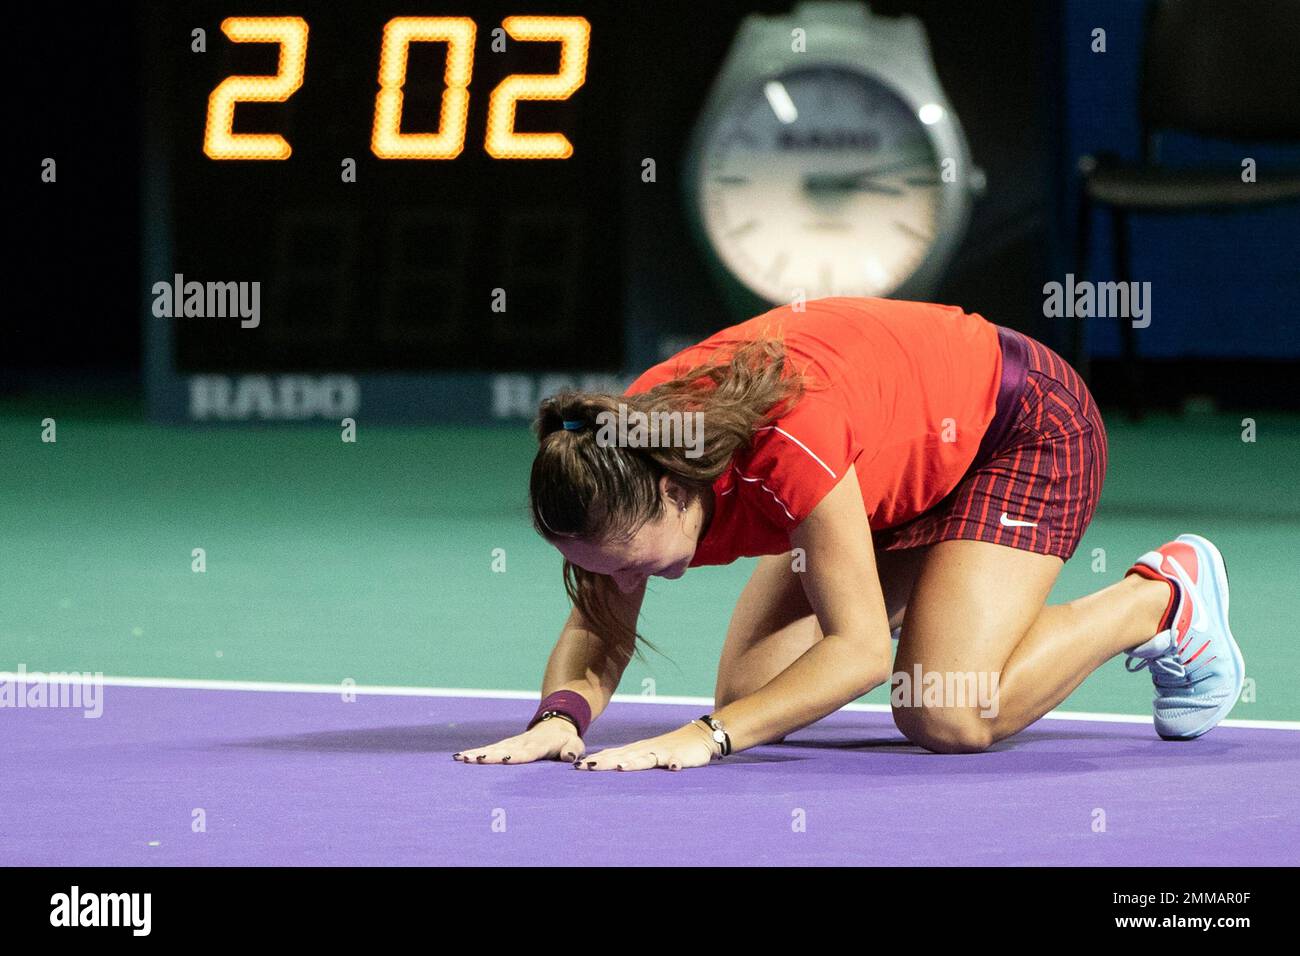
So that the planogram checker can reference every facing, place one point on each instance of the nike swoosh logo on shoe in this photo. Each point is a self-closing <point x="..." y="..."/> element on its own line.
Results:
<point x="1173" y="567"/>
<point x="1184" y="555"/>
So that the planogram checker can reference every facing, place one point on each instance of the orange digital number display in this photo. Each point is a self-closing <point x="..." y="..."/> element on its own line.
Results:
<point x="574" y="36"/>
<point x="387" y="141"/>
<point x="219" y="139"/>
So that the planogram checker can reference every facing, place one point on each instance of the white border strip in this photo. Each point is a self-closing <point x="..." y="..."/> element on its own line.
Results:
<point x="380" y="690"/>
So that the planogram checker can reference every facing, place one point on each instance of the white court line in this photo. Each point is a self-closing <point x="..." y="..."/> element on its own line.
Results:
<point x="380" y="690"/>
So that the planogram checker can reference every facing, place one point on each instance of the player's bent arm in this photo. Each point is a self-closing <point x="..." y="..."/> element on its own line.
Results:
<point x="589" y="663"/>
<point x="843" y="588"/>
<point x="581" y="662"/>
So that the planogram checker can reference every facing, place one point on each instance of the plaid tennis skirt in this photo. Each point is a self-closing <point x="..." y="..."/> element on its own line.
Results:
<point x="1036" y="479"/>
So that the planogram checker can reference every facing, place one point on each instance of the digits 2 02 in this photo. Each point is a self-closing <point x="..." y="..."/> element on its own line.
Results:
<point x="387" y="141"/>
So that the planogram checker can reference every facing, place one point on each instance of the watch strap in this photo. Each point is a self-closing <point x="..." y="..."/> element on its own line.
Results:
<point x="718" y="732"/>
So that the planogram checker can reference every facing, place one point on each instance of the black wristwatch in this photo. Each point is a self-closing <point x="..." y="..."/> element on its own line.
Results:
<point x="555" y="713"/>
<point x="718" y="733"/>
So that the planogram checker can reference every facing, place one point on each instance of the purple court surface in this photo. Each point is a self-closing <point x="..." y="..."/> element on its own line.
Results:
<point x="281" y="778"/>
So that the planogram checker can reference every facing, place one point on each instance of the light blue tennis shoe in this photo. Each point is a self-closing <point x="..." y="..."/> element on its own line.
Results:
<point x="1195" y="664"/>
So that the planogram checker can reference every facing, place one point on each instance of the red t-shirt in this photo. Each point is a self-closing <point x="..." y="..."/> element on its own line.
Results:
<point x="910" y="389"/>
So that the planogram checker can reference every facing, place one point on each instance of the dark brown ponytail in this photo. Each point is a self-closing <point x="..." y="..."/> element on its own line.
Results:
<point x="587" y="489"/>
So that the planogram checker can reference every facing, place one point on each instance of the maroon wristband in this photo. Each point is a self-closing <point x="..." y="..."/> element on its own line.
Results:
<point x="569" y="703"/>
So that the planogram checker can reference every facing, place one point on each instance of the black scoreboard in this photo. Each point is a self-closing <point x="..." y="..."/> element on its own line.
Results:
<point x="436" y="207"/>
<point x="409" y="191"/>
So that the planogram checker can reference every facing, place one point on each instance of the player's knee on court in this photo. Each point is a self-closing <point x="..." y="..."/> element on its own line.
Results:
<point x="945" y="730"/>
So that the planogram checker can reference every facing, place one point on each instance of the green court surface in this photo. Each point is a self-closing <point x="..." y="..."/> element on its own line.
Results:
<point x="374" y="561"/>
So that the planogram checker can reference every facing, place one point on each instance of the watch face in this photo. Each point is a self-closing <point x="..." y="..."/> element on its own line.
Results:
<point x="821" y="181"/>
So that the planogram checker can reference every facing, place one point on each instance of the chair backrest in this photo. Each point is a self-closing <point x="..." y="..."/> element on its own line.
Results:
<point x="1225" y="69"/>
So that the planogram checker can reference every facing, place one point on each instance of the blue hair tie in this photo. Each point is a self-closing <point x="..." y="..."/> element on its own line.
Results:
<point x="572" y="425"/>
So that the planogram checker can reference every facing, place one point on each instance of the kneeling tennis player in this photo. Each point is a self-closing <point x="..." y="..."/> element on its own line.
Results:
<point x="897" y="468"/>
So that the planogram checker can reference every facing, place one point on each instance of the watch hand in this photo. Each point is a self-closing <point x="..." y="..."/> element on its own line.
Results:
<point x="864" y="186"/>
<point x="853" y="180"/>
<point x="882" y="190"/>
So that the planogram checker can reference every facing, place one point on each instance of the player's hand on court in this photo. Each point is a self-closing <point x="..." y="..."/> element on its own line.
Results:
<point x="689" y="746"/>
<point x="548" y="740"/>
